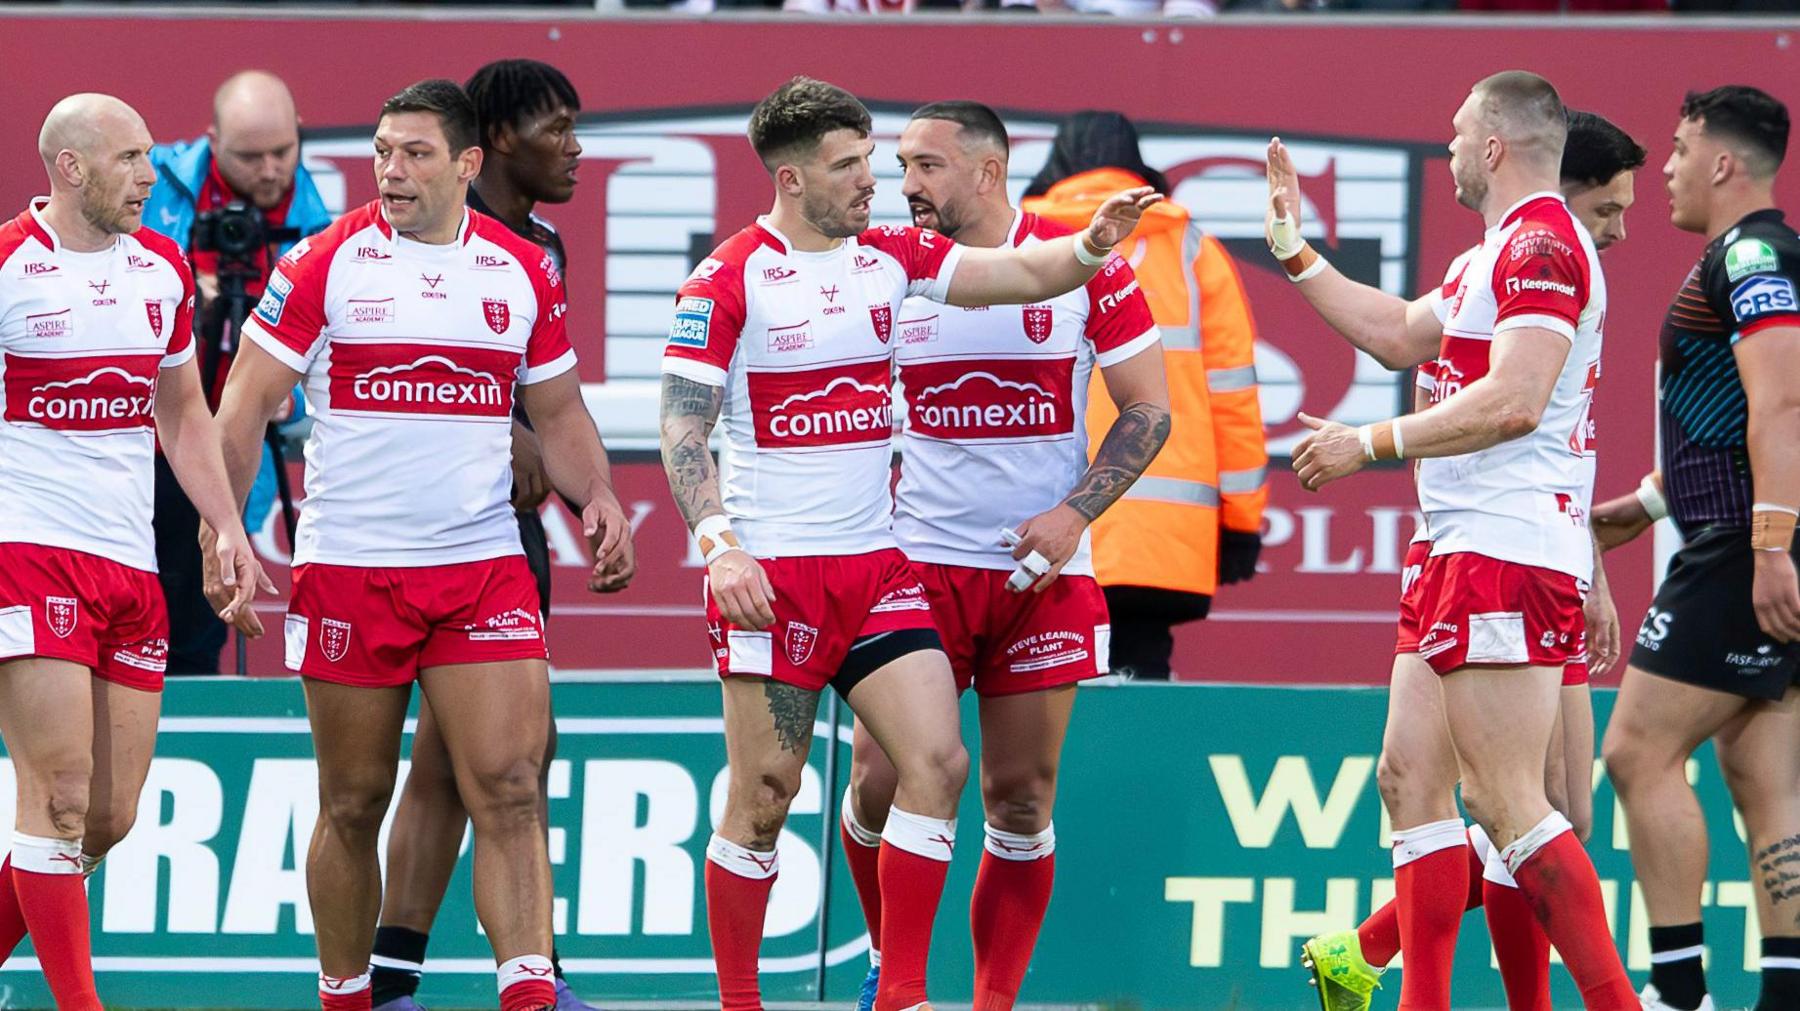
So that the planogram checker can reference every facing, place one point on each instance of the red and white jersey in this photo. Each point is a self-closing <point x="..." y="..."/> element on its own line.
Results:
<point x="802" y="342"/>
<point x="1526" y="500"/>
<point x="996" y="407"/>
<point x="410" y="354"/>
<point x="83" y="337"/>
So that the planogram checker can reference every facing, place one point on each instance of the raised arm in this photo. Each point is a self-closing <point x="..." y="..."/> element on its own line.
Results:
<point x="1397" y="333"/>
<point x="1010" y="276"/>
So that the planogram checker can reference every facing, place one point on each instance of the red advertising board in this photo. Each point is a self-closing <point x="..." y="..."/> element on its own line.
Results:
<point x="1366" y="108"/>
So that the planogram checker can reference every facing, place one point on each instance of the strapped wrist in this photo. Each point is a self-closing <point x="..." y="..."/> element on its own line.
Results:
<point x="1772" y="526"/>
<point x="715" y="537"/>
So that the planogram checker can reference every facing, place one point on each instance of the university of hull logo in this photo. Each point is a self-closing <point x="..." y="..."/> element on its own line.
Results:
<point x="992" y="399"/>
<point x="1039" y="320"/>
<point x="843" y="405"/>
<point x="334" y="638"/>
<point x="800" y="642"/>
<point x="153" y="309"/>
<point x="410" y="379"/>
<point x="497" y="313"/>
<point x="99" y="394"/>
<point x="882" y="317"/>
<point x="62" y="614"/>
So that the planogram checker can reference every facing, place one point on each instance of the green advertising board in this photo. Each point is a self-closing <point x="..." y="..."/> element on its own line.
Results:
<point x="1203" y="833"/>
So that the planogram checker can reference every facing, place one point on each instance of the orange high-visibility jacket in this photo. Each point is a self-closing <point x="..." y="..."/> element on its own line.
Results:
<point x="1165" y="531"/>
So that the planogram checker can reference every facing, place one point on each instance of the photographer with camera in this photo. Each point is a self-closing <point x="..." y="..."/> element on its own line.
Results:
<point x="234" y="200"/>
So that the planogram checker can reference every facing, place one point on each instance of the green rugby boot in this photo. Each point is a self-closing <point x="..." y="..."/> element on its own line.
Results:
<point x="1344" y="980"/>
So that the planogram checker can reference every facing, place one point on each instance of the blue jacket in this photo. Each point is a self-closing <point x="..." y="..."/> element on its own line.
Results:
<point x="181" y="171"/>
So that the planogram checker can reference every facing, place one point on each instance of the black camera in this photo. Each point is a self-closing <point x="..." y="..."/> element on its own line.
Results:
<point x="236" y="232"/>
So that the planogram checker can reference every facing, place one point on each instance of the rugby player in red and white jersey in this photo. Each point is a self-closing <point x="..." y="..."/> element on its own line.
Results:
<point x="1505" y="482"/>
<point x="96" y="357"/>
<point x="791" y="323"/>
<point x="411" y="320"/>
<point x="995" y="440"/>
<point x="1599" y="165"/>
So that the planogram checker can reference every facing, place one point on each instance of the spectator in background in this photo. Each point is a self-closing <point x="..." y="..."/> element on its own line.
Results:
<point x="251" y="153"/>
<point x="1194" y="520"/>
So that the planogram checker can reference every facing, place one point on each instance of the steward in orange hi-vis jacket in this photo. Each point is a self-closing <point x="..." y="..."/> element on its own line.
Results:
<point x="1194" y="520"/>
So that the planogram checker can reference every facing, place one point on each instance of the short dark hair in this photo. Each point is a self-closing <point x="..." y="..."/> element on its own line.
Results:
<point x="1751" y="121"/>
<point x="446" y="100"/>
<point x="1597" y="150"/>
<point x="974" y="118"/>
<point x="508" y="92"/>
<point x="797" y="115"/>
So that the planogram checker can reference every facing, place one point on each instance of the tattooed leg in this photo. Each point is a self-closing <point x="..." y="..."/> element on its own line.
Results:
<point x="1759" y="754"/>
<point x="768" y="734"/>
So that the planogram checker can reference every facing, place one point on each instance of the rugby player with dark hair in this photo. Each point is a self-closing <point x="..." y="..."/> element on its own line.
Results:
<point x="527" y="112"/>
<point x="783" y="338"/>
<point x="1718" y="656"/>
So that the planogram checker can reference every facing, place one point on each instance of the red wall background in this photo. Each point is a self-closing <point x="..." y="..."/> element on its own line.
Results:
<point x="1302" y="619"/>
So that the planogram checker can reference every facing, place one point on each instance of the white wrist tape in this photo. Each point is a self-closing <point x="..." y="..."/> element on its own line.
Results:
<point x="1399" y="443"/>
<point x="1086" y="258"/>
<point x="1317" y="268"/>
<point x="1770" y="507"/>
<point x="712" y="533"/>
<point x="1284" y="237"/>
<point x="1366" y="435"/>
<point x="1651" y="498"/>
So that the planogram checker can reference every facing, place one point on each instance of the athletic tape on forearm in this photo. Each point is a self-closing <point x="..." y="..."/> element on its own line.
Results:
<point x="1380" y="441"/>
<point x="1651" y="498"/>
<point x="1772" y="526"/>
<point x="1087" y="258"/>
<point x="715" y="537"/>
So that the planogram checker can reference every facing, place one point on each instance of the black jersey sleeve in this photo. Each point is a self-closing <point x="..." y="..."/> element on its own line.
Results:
<point x="1752" y="280"/>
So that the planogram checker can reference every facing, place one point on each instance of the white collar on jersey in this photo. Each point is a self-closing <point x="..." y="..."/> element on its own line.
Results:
<point x="1527" y="198"/>
<point x="36" y="207"/>
<point x="1012" y="233"/>
<point x="464" y="231"/>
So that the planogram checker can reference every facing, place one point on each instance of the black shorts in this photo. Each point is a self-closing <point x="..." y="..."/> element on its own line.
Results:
<point x="1702" y="630"/>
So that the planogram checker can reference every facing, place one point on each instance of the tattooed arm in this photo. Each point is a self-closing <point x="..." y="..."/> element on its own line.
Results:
<point x="1137" y="386"/>
<point x="690" y="409"/>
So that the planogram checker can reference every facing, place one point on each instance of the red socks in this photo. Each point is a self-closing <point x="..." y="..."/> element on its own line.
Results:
<point x="1558" y="880"/>
<point x="1431" y="887"/>
<point x="1519" y="942"/>
<point x="862" y="851"/>
<point x="527" y="983"/>
<point x="344" y="993"/>
<point x="738" y="881"/>
<point x="1012" y="893"/>
<point x="915" y="859"/>
<point x="46" y="878"/>
<point x="1380" y="933"/>
<point x="12" y="918"/>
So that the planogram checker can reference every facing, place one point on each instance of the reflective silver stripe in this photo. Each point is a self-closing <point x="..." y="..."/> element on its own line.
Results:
<point x="1241" y="482"/>
<point x="1169" y="489"/>
<point x="1243" y="377"/>
<point x="1179" y="338"/>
